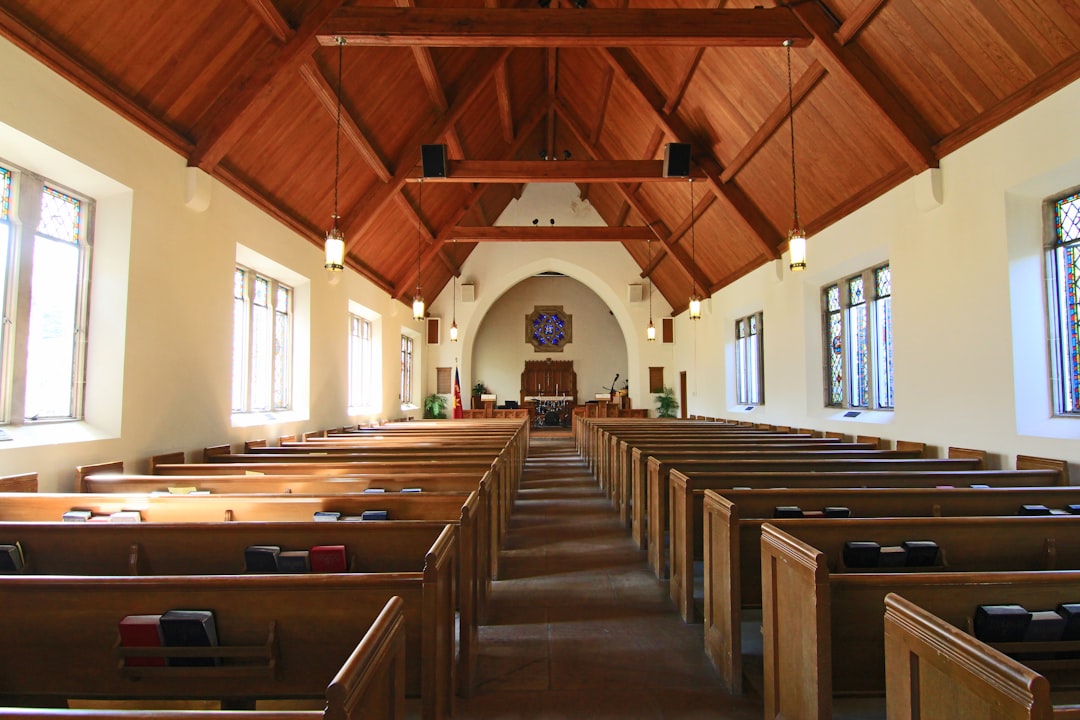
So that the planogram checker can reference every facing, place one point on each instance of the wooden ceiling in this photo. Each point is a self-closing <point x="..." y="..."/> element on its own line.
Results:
<point x="247" y="91"/>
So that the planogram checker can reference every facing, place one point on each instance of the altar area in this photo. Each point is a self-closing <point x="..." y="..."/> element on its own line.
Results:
<point x="549" y="391"/>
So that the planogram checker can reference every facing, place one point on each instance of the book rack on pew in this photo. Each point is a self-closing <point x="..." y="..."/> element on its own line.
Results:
<point x="264" y="659"/>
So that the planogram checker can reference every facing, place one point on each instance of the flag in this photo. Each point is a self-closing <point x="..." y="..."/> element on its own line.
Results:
<point x="459" y="412"/>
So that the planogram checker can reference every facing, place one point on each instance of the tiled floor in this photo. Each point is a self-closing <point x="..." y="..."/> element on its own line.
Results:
<point x="578" y="627"/>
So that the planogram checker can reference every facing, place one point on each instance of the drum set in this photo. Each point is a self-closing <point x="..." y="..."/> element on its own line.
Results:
<point x="550" y="412"/>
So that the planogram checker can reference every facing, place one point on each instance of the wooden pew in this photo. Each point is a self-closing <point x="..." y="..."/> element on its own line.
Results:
<point x="821" y="627"/>
<point x="732" y="541"/>
<point x="370" y="684"/>
<point x="792" y="465"/>
<point x="305" y="626"/>
<point x="935" y="670"/>
<point x="24" y="482"/>
<point x="457" y="509"/>
<point x="687" y="496"/>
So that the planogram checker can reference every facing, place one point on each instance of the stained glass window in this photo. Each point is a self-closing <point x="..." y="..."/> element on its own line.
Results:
<point x="548" y="329"/>
<point x="406" y="370"/>
<point x="749" y="372"/>
<point x="5" y="194"/>
<point x="361" y="370"/>
<point x="262" y="343"/>
<point x="1063" y="265"/>
<point x="858" y="341"/>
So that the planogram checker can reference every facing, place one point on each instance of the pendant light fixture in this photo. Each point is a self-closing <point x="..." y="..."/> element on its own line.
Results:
<point x="695" y="299"/>
<point x="650" y="332"/>
<point x="335" y="241"/>
<point x="453" y="323"/>
<point x="796" y="236"/>
<point x="418" y="300"/>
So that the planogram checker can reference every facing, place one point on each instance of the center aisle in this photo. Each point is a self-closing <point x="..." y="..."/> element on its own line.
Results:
<point x="578" y="627"/>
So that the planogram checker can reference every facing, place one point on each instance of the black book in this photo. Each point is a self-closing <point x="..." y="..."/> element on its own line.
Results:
<point x="921" y="553"/>
<point x="861" y="553"/>
<point x="11" y="558"/>
<point x="189" y="628"/>
<point x="787" y="511"/>
<point x="1001" y="623"/>
<point x="261" y="558"/>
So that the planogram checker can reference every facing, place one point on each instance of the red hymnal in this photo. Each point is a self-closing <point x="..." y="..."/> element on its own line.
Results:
<point x="141" y="631"/>
<point x="328" y="559"/>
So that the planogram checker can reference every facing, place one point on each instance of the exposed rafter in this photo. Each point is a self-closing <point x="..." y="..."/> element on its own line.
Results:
<point x="551" y="233"/>
<point x="575" y="171"/>
<point x="271" y="18"/>
<point x="639" y="27"/>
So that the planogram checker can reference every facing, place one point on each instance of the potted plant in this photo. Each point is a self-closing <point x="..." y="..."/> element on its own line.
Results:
<point x="478" y="390"/>
<point x="433" y="407"/>
<point x="666" y="404"/>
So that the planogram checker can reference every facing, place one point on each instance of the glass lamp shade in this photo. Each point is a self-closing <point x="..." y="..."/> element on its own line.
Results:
<point x="418" y="308"/>
<point x="335" y="251"/>
<point x="453" y="331"/>
<point x="797" y="248"/>
<point x="650" y="332"/>
<point x="695" y="307"/>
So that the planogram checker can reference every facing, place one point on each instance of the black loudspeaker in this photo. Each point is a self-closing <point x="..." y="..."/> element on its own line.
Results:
<point x="433" y="159"/>
<point x="677" y="160"/>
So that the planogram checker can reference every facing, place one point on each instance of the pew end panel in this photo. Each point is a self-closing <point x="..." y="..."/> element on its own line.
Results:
<point x="173" y="458"/>
<point x="795" y="592"/>
<point x="934" y="669"/>
<point x="84" y="471"/>
<point x="723" y="612"/>
<point x="21" y="483"/>
<point x="372" y="681"/>
<point x="1030" y="462"/>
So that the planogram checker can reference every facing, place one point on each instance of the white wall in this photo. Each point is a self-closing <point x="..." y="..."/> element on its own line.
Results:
<point x="160" y="329"/>
<point x="968" y="302"/>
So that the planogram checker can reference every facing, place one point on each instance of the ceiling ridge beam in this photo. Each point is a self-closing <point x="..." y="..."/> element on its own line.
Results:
<point x="908" y="132"/>
<point x="525" y="130"/>
<point x="807" y="81"/>
<point x="502" y="91"/>
<point x="368" y="207"/>
<point x="327" y="96"/>
<point x="245" y="101"/>
<point x="551" y="233"/>
<point x="90" y="82"/>
<point x="761" y="230"/>
<point x="533" y="27"/>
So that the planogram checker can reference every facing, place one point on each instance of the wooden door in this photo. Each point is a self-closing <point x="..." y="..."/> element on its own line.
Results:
<point x="682" y="394"/>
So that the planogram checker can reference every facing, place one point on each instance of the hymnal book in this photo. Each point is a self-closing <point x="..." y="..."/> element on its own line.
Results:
<point x="374" y="490"/>
<point x="328" y="559"/>
<point x="294" y="561"/>
<point x="1071" y="613"/>
<point x="837" y="512"/>
<point x="921" y="553"/>
<point x="181" y="490"/>
<point x="1045" y="626"/>
<point x="787" y="511"/>
<point x="374" y="515"/>
<point x="75" y="515"/>
<point x="189" y="628"/>
<point x="1034" y="510"/>
<point x="326" y="516"/>
<point x="126" y="516"/>
<point x="892" y="556"/>
<point x="261" y="558"/>
<point x="411" y="490"/>
<point x="861" y="553"/>
<point x="141" y="631"/>
<point x="1001" y="623"/>
<point x="11" y="558"/>
<point x="99" y="519"/>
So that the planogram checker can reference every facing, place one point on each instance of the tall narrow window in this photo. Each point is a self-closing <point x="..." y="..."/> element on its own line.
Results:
<point x="360" y="363"/>
<point x="1063" y="284"/>
<point x="749" y="371"/>
<point x="262" y="343"/>
<point x="857" y="318"/>
<point x="406" y="370"/>
<point x="45" y="265"/>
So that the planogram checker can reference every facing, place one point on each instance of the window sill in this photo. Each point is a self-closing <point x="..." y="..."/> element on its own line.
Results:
<point x="267" y="418"/>
<point x="748" y="407"/>
<point x="409" y="406"/>
<point x="856" y="415"/>
<point x="53" y="433"/>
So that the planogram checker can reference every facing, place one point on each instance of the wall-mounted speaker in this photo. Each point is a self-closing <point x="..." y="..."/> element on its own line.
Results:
<point x="433" y="159"/>
<point x="468" y="292"/>
<point x="634" y="293"/>
<point x="677" y="160"/>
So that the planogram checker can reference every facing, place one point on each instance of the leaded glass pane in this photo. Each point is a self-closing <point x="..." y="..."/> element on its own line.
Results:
<point x="60" y="216"/>
<point x="753" y="324"/>
<point x="5" y="194"/>
<point x="836" y="359"/>
<point x="282" y="353"/>
<point x="883" y="353"/>
<point x="238" y="284"/>
<point x="882" y="282"/>
<point x="753" y="364"/>
<point x="1071" y="256"/>
<point x="239" y="360"/>
<point x="262" y="355"/>
<point x="1067" y="219"/>
<point x="832" y="298"/>
<point x="741" y="390"/>
<point x="858" y="357"/>
<point x="282" y="302"/>
<point x="740" y="328"/>
<point x="262" y="292"/>
<point x="53" y="331"/>
<point x="855" y="291"/>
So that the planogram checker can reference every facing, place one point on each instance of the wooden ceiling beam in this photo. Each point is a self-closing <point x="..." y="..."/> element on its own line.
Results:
<point x="577" y="171"/>
<point x="761" y="231"/>
<point x="502" y="91"/>
<point x="327" y="97"/>
<point x="537" y="27"/>
<point x="246" y="99"/>
<point x="526" y="129"/>
<point x="776" y="119"/>
<point x="369" y="206"/>
<point x="859" y="18"/>
<point x="646" y="212"/>
<point x="550" y="233"/>
<point x="90" y="82"/>
<point x="271" y="18"/>
<point x="908" y="132"/>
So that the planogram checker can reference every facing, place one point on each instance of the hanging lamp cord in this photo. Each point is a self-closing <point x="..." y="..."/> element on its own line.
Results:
<point x="419" y="232"/>
<point x="337" y="136"/>
<point x="791" y="124"/>
<point x="693" y="244"/>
